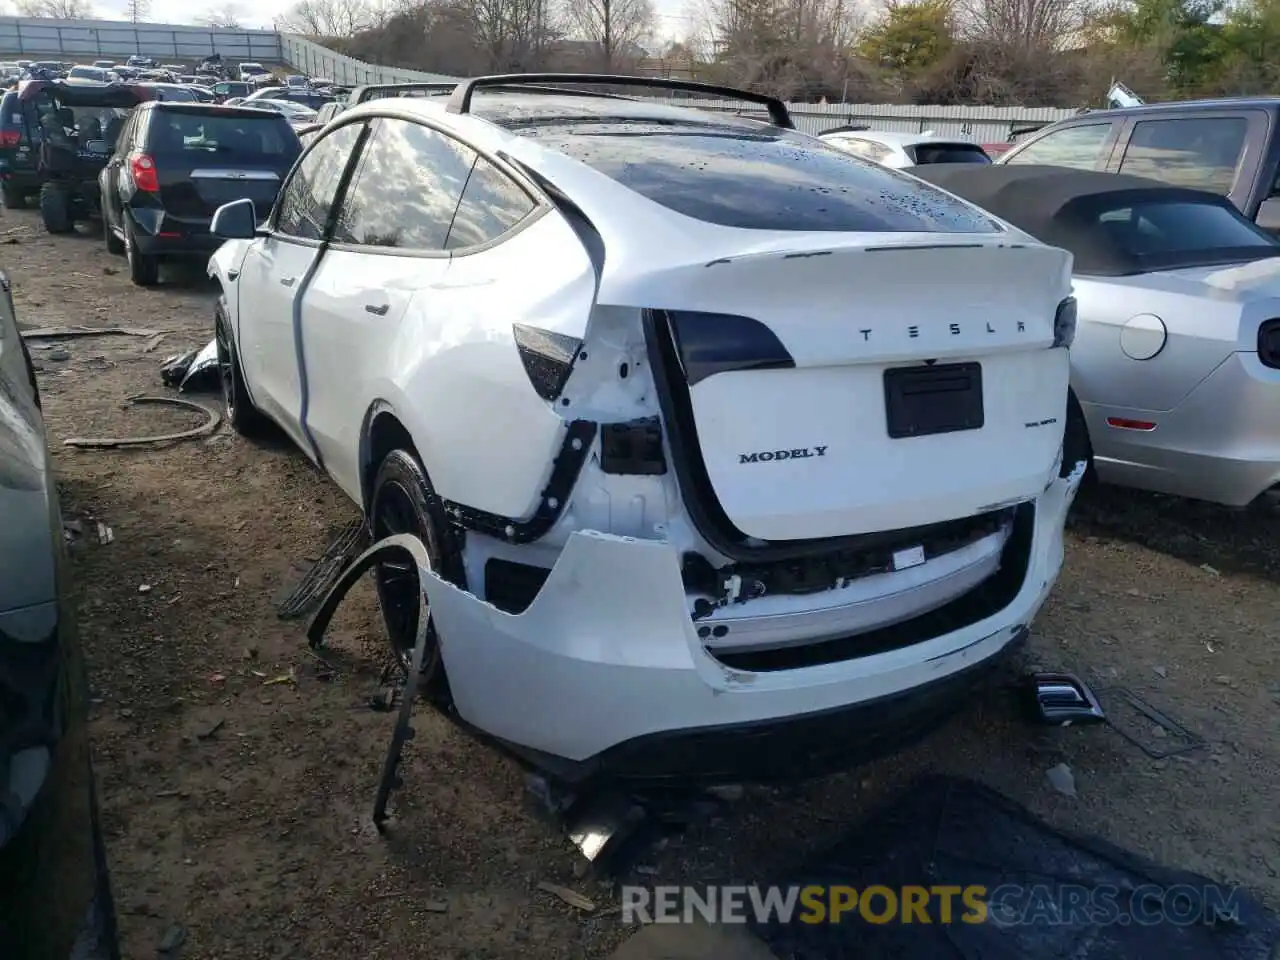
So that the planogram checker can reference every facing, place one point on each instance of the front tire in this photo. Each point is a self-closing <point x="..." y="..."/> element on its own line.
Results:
<point x="244" y="418"/>
<point x="143" y="270"/>
<point x="55" y="209"/>
<point x="403" y="501"/>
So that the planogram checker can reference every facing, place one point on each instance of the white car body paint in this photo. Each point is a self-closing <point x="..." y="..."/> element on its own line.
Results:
<point x="611" y="631"/>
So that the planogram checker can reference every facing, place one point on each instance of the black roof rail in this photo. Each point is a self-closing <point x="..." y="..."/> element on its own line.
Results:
<point x="375" y="91"/>
<point x="460" y="100"/>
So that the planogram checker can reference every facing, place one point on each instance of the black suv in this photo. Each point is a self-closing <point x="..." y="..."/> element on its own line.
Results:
<point x="18" y="177"/>
<point x="175" y="164"/>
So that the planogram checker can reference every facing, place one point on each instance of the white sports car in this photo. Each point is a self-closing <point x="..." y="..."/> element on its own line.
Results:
<point x="717" y="437"/>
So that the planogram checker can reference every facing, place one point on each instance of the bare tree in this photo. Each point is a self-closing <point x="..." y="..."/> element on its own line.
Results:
<point x="1023" y="25"/>
<point x="224" y="17"/>
<point x="617" y="27"/>
<point x="325" y="18"/>
<point x="55" y="9"/>
<point x="137" y="10"/>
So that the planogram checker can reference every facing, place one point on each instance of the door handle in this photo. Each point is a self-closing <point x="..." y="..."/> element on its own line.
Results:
<point x="288" y="281"/>
<point x="377" y="309"/>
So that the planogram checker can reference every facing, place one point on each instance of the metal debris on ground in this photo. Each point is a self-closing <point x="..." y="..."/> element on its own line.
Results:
<point x="202" y="371"/>
<point x="1133" y="718"/>
<point x="211" y="424"/>
<point x="174" y="367"/>
<point x="105" y="533"/>
<point x="571" y="897"/>
<point x="1062" y="780"/>
<point x="311" y="589"/>
<point x="63" y="333"/>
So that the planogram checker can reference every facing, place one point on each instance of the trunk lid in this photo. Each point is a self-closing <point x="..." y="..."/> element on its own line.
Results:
<point x="915" y="382"/>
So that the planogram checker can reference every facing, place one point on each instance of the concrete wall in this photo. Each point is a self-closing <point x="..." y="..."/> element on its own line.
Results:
<point x="80" y="40"/>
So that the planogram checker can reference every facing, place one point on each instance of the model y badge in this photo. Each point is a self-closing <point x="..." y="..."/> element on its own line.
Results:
<point x="764" y="456"/>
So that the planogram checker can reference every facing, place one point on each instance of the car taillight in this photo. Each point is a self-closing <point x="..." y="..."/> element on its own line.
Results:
<point x="143" y="169"/>
<point x="10" y="138"/>
<point x="1064" y="324"/>
<point x="1269" y="343"/>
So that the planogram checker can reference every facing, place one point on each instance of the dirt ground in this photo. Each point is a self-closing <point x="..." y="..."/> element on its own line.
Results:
<point x="236" y="807"/>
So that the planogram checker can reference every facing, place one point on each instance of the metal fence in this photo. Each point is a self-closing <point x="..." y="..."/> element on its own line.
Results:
<point x="317" y="61"/>
<point x="78" y="40"/>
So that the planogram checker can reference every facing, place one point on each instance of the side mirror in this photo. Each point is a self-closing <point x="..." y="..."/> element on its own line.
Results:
<point x="235" y="221"/>
<point x="1268" y="217"/>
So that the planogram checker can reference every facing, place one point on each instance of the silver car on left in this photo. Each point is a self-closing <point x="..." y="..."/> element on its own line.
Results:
<point x="1176" y="360"/>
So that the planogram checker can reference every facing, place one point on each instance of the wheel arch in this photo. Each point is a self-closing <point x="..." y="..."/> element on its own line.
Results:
<point x="382" y="431"/>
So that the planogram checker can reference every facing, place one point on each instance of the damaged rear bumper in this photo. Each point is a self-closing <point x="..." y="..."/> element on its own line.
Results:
<point x="604" y="673"/>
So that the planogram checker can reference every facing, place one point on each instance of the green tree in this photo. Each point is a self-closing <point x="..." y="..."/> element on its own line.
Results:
<point x="911" y="36"/>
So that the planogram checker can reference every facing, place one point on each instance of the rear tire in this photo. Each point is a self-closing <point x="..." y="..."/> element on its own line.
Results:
<point x="403" y="501"/>
<point x="244" y="418"/>
<point x="115" y="246"/>
<point x="143" y="270"/>
<point x="15" y="198"/>
<point x="1075" y="441"/>
<point x="55" y="209"/>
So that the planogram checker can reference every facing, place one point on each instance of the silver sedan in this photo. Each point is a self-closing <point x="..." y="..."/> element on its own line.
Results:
<point x="1176" y="360"/>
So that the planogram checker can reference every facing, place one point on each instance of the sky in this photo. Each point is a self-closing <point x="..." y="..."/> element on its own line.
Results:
<point x="673" y="20"/>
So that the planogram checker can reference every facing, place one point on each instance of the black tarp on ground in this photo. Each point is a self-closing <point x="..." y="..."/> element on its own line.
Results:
<point x="1070" y="897"/>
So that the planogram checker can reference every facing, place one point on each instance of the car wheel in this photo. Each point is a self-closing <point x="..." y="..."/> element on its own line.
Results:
<point x="244" y="417"/>
<point x="115" y="245"/>
<point x="1075" y="440"/>
<point x="15" y="198"/>
<point x="55" y="209"/>
<point x="143" y="270"/>
<point x="403" y="501"/>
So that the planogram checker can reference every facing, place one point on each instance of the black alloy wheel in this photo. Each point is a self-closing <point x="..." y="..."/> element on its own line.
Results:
<point x="403" y="502"/>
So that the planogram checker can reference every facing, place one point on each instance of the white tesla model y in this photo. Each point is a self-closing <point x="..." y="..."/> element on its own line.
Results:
<point x="736" y="456"/>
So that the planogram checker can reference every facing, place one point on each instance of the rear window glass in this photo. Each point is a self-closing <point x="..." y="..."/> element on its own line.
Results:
<point x="227" y="134"/>
<point x="1183" y="233"/>
<point x="757" y="178"/>
<point x="950" y="153"/>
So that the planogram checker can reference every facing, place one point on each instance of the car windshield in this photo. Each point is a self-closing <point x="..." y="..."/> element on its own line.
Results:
<point x="1162" y="234"/>
<point x="87" y="73"/>
<point x="239" y="134"/>
<point x="254" y="68"/>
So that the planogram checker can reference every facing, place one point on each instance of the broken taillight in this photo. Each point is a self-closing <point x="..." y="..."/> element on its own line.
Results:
<point x="10" y="138"/>
<point x="547" y="357"/>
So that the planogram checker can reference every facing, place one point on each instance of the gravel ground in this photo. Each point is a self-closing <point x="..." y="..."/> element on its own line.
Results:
<point x="236" y="807"/>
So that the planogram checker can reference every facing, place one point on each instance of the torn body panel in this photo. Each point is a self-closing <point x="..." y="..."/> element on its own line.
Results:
<point x="607" y="652"/>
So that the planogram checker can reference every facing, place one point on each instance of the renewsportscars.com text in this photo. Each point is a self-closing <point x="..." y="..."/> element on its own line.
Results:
<point x="1005" y="905"/>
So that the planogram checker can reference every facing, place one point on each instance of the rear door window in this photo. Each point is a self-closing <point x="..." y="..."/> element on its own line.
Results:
<point x="757" y="177"/>
<point x="1198" y="152"/>
<point x="405" y="189"/>
<point x="1079" y="147"/>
